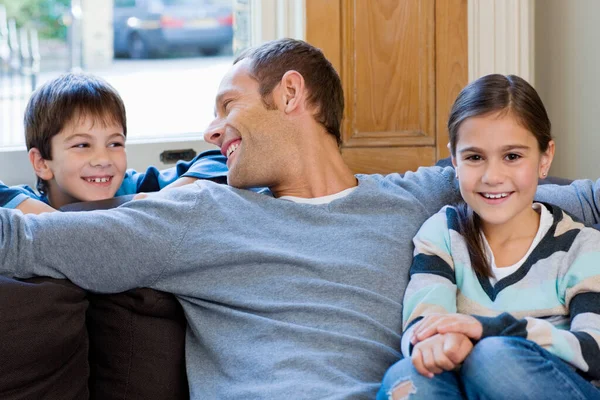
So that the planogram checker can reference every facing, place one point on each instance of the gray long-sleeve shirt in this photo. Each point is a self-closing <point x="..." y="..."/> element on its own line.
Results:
<point x="283" y="300"/>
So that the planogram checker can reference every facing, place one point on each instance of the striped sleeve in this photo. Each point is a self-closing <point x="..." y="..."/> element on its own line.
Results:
<point x="432" y="285"/>
<point x="580" y="344"/>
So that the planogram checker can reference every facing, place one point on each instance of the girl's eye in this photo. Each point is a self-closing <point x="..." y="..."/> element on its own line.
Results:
<point x="81" y="145"/>
<point x="473" y="157"/>
<point x="512" y="157"/>
<point x="116" y="144"/>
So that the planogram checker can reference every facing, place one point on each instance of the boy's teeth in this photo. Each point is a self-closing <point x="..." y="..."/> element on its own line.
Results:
<point x="495" y="196"/>
<point x="98" y="180"/>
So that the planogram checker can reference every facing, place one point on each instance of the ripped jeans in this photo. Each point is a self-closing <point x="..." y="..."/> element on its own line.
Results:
<point x="497" y="368"/>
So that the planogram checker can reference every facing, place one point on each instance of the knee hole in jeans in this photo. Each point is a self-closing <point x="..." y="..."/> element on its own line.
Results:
<point x="401" y="389"/>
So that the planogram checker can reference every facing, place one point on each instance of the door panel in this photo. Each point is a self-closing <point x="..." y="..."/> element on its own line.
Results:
<point x="389" y="73"/>
<point x="402" y="63"/>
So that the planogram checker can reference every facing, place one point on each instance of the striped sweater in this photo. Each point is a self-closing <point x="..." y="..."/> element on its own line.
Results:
<point x="553" y="299"/>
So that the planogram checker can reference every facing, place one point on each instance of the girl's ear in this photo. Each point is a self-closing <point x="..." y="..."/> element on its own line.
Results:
<point x="40" y="165"/>
<point x="546" y="160"/>
<point x="453" y="162"/>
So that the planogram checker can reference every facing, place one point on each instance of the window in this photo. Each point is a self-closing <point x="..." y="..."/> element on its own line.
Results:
<point x="167" y="67"/>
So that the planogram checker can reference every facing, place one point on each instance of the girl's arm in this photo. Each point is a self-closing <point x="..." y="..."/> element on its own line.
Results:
<point x="580" y="344"/>
<point x="432" y="286"/>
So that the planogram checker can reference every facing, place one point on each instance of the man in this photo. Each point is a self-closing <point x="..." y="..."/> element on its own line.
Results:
<point x="294" y="296"/>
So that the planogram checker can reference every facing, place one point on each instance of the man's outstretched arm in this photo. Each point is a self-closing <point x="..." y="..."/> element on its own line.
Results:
<point x="104" y="251"/>
<point x="581" y="198"/>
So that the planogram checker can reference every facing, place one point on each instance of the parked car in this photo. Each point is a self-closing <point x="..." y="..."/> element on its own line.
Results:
<point x="144" y="28"/>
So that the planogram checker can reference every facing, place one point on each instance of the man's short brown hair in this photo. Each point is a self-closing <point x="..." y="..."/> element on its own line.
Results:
<point x="270" y="61"/>
<point x="61" y="100"/>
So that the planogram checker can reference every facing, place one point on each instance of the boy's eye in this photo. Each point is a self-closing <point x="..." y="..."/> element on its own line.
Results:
<point x="473" y="157"/>
<point x="512" y="157"/>
<point x="81" y="145"/>
<point x="117" y="144"/>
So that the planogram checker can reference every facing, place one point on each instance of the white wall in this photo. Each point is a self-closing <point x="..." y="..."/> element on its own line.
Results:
<point x="567" y="77"/>
<point x="97" y="33"/>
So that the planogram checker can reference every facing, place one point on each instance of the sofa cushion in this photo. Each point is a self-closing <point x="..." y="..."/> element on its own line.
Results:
<point x="43" y="340"/>
<point x="137" y="341"/>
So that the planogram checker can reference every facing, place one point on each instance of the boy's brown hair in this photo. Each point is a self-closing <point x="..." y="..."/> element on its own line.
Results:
<point x="58" y="102"/>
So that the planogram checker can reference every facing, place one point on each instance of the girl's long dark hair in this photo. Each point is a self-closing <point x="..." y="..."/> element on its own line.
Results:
<point x="494" y="94"/>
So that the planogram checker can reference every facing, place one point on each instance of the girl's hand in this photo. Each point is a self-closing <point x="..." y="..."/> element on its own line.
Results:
<point x="446" y="323"/>
<point x="440" y="353"/>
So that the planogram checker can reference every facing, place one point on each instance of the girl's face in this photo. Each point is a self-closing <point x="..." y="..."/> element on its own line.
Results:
<point x="498" y="163"/>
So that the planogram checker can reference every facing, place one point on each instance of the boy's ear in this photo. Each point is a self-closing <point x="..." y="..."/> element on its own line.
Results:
<point x="40" y="165"/>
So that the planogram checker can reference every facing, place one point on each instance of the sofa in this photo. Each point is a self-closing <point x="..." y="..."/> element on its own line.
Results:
<point x="58" y="341"/>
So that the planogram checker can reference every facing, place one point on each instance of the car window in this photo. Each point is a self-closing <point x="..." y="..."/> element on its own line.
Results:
<point x="183" y="2"/>
<point x="124" y="3"/>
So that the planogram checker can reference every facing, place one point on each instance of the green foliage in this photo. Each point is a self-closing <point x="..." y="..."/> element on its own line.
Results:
<point x="44" y="15"/>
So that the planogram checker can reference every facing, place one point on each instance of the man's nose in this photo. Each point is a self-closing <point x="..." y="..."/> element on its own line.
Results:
<point x="214" y="133"/>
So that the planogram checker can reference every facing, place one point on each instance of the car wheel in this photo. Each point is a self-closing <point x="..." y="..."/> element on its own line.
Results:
<point x="210" y="51"/>
<point x="137" y="48"/>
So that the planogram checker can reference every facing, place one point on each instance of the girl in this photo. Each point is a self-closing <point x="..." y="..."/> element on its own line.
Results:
<point x="504" y="296"/>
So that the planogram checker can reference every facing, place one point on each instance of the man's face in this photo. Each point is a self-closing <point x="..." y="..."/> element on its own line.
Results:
<point x="88" y="162"/>
<point x="252" y="137"/>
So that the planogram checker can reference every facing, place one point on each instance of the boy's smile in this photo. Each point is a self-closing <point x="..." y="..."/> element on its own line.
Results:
<point x="88" y="161"/>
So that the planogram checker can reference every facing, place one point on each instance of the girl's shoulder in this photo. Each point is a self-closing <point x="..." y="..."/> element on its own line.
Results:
<point x="446" y="218"/>
<point x="439" y="224"/>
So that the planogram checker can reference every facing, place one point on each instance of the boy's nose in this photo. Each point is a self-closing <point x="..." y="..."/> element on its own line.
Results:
<point x="100" y="159"/>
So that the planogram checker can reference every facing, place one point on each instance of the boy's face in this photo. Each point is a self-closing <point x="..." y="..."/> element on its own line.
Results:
<point x="88" y="162"/>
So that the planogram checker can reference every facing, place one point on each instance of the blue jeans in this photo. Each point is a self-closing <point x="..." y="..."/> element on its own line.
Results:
<point x="497" y="368"/>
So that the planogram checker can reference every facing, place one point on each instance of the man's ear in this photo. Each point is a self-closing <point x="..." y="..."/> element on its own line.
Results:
<point x="40" y="165"/>
<point x="292" y="91"/>
<point x="546" y="159"/>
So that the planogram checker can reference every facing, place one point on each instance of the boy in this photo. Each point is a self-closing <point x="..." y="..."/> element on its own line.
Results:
<point x="75" y="130"/>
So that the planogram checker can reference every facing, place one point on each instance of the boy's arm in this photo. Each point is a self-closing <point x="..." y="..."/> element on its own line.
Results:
<point x="210" y="164"/>
<point x="22" y="198"/>
<point x="34" y="206"/>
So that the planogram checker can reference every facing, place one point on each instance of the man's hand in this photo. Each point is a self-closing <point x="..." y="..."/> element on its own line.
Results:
<point x="33" y="206"/>
<point x="446" y="323"/>
<point x="186" y="180"/>
<point x="441" y="352"/>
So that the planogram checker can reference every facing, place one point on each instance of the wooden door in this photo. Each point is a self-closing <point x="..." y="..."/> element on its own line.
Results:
<point x="402" y="64"/>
